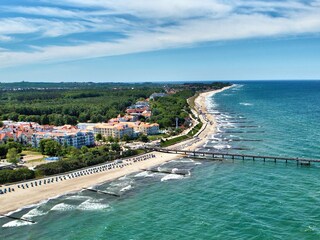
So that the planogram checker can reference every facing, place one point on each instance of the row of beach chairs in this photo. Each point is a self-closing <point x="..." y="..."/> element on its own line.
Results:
<point x="76" y="174"/>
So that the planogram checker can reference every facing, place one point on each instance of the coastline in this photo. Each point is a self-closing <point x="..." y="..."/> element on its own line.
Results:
<point x="23" y="198"/>
<point x="209" y="121"/>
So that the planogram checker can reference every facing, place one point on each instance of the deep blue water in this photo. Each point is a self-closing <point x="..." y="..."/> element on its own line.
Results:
<point x="219" y="200"/>
<point x="283" y="118"/>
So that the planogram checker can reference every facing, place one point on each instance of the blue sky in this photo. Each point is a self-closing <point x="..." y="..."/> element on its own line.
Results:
<point x="163" y="40"/>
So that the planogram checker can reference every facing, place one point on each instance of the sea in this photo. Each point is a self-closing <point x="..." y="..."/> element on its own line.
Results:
<point x="216" y="199"/>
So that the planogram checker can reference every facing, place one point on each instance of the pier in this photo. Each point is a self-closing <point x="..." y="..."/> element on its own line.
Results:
<point x="166" y="172"/>
<point x="237" y="156"/>
<point x="20" y="219"/>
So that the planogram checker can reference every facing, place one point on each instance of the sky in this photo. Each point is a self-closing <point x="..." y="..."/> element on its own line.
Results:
<point x="159" y="40"/>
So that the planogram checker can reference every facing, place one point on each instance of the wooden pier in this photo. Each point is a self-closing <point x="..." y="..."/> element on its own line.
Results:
<point x="236" y="156"/>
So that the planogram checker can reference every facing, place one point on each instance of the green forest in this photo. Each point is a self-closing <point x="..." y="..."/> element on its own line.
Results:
<point x="70" y="103"/>
<point x="69" y="106"/>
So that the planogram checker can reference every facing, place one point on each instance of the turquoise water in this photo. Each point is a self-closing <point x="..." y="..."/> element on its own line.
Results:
<point x="283" y="116"/>
<point x="219" y="200"/>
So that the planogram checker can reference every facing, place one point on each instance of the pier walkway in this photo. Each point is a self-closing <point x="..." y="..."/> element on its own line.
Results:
<point x="236" y="156"/>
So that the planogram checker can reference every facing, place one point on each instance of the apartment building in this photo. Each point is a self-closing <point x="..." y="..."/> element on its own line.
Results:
<point x="117" y="130"/>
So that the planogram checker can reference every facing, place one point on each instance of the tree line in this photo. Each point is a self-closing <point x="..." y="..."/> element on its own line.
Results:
<point x="68" y="106"/>
<point x="70" y="159"/>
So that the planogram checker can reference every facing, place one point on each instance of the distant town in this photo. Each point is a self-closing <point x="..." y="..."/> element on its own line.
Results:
<point x="127" y="126"/>
<point x="47" y="129"/>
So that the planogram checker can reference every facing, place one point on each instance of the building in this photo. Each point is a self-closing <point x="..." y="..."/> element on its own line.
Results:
<point x="86" y="126"/>
<point x="32" y="133"/>
<point x="76" y="139"/>
<point x="117" y="130"/>
<point x="125" y="118"/>
<point x="136" y="111"/>
<point x="149" y="128"/>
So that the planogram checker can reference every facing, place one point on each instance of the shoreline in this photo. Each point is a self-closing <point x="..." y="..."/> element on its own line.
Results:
<point x="209" y="121"/>
<point x="24" y="198"/>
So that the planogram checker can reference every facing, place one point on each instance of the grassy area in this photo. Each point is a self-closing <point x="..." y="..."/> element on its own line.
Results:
<point x="195" y="129"/>
<point x="37" y="160"/>
<point x="33" y="153"/>
<point x="174" y="141"/>
<point x="157" y="137"/>
<point x="192" y="101"/>
<point x="183" y="137"/>
<point x="141" y="151"/>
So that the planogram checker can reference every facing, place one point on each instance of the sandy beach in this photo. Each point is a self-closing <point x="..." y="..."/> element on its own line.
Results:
<point x="24" y="197"/>
<point x="209" y="126"/>
<point x="209" y="122"/>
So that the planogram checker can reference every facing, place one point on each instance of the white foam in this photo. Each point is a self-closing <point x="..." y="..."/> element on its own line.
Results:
<point x="77" y="197"/>
<point x="183" y="161"/>
<point x="174" y="170"/>
<point x="221" y="146"/>
<point x="171" y="177"/>
<point x="126" y="188"/>
<point x="144" y="174"/>
<point x="31" y="206"/>
<point x="246" y="104"/>
<point x="123" y="178"/>
<point x="187" y="161"/>
<point x="228" y="124"/>
<point x="62" y="207"/>
<point x="16" y="223"/>
<point x="90" y="205"/>
<point x="33" y="213"/>
<point x="120" y="184"/>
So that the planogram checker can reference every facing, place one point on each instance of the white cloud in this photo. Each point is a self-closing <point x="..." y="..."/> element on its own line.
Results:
<point x="4" y="38"/>
<point x="194" y="22"/>
<point x="49" y="28"/>
<point x="42" y="11"/>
